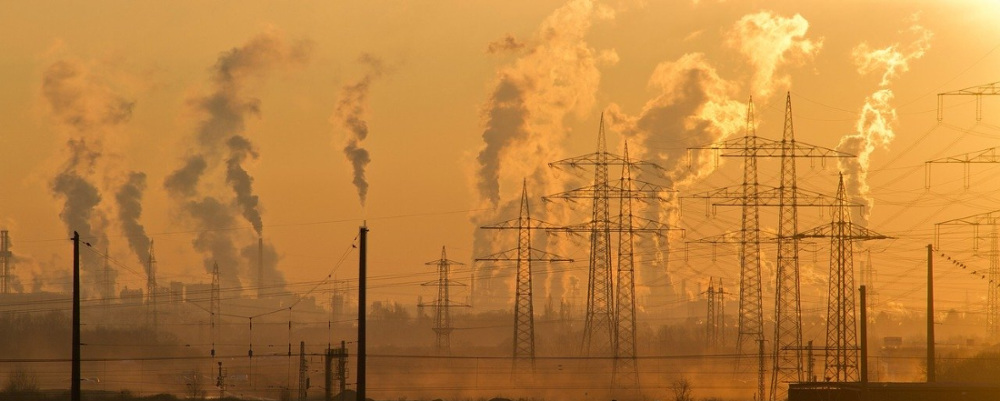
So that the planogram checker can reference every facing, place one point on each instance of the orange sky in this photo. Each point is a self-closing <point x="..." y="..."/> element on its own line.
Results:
<point x="426" y="114"/>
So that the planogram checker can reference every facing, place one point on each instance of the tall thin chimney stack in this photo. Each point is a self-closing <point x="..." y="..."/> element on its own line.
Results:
<point x="260" y="267"/>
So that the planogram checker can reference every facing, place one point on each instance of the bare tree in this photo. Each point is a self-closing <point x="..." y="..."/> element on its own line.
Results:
<point x="682" y="390"/>
<point x="21" y="384"/>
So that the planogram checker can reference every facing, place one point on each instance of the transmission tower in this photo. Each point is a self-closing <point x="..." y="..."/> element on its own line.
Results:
<point x="523" y="255"/>
<point x="5" y="262"/>
<point x="442" y="315"/>
<point x="623" y="339"/>
<point x="841" y="328"/>
<point x="600" y="324"/>
<point x="991" y="219"/>
<point x="715" y="320"/>
<point x="151" y="288"/>
<point x="215" y="304"/>
<point x="787" y="197"/>
<point x="625" y="374"/>
<point x="868" y="274"/>
<point x="992" y="89"/>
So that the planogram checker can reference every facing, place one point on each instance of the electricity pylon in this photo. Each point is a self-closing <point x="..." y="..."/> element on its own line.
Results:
<point x="841" y="327"/>
<point x="715" y="321"/>
<point x="979" y="91"/>
<point x="523" y="255"/>
<point x="991" y="219"/>
<point x="599" y="325"/>
<point x="443" y="304"/>
<point x="787" y="353"/>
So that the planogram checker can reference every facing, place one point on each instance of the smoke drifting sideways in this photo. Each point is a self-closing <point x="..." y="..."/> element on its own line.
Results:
<point x="351" y="112"/>
<point x="878" y="117"/>
<point x="770" y="41"/>
<point x="553" y="74"/>
<point x="90" y="109"/>
<point x="219" y="140"/>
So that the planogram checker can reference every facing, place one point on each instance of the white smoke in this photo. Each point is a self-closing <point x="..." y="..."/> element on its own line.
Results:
<point x="878" y="116"/>
<point x="554" y="74"/>
<point x="769" y="42"/>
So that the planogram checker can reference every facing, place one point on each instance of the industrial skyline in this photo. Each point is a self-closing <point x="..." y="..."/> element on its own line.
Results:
<point x="250" y="146"/>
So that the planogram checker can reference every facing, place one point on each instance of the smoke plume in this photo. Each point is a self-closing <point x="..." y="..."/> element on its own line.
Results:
<point x="694" y="107"/>
<point x="770" y="41"/>
<point x="878" y="116"/>
<point x="240" y="180"/>
<point x="129" y="199"/>
<point x="351" y="113"/>
<point x="552" y="75"/>
<point x="220" y="137"/>
<point x="90" y="108"/>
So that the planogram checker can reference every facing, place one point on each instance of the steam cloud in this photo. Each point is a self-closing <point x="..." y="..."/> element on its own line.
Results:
<point x="875" y="124"/>
<point x="554" y="74"/>
<point x="351" y="112"/>
<point x="220" y="137"/>
<point x="696" y="107"/>
<point x="89" y="107"/>
<point x="770" y="41"/>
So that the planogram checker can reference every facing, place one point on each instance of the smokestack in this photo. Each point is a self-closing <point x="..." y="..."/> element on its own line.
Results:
<point x="260" y="267"/>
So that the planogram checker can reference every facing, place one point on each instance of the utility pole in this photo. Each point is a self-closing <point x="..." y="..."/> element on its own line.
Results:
<point x="76" y="377"/>
<point x="841" y="328"/>
<point x="442" y="314"/>
<point x="523" y="255"/>
<point x="362" y="314"/>
<point x="930" y="314"/>
<point x="303" y="372"/>
<point x="992" y="220"/>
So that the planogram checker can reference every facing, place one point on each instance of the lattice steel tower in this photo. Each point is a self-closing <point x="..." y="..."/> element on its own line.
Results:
<point x="625" y="374"/>
<point x="788" y="198"/>
<point x="841" y="327"/>
<point x="715" y="320"/>
<point x="523" y="255"/>
<point x="991" y="219"/>
<point x="443" y="304"/>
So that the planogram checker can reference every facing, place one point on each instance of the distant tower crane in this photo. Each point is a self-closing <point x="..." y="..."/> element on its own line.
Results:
<point x="443" y="304"/>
